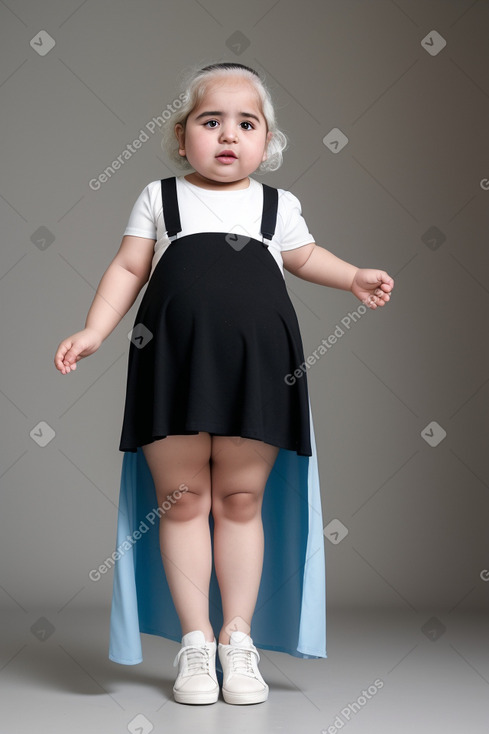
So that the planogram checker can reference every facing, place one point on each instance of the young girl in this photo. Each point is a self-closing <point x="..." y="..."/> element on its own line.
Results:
<point x="220" y="461"/>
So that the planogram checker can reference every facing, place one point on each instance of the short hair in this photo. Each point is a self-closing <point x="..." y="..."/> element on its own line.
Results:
<point x="194" y="90"/>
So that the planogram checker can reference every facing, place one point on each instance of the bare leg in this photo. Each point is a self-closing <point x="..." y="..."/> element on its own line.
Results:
<point x="184" y="529"/>
<point x="239" y="472"/>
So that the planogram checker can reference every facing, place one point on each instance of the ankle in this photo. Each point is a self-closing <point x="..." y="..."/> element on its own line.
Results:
<point x="208" y="632"/>
<point x="225" y="633"/>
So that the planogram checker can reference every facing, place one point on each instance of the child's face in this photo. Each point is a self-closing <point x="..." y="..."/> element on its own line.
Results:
<point x="229" y="118"/>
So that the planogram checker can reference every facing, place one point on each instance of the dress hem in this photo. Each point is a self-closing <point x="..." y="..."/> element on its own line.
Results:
<point x="304" y="654"/>
<point x="216" y="431"/>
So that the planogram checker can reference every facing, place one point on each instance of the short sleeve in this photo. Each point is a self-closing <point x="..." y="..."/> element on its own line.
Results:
<point x="294" y="230"/>
<point x="141" y="220"/>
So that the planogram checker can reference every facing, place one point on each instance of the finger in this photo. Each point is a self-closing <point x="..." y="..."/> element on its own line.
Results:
<point x="379" y="300"/>
<point x="72" y="356"/>
<point x="58" y="357"/>
<point x="384" y="295"/>
<point x="387" y="282"/>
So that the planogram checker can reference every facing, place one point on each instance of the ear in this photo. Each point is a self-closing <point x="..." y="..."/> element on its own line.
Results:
<point x="265" y="152"/>
<point x="180" y="136"/>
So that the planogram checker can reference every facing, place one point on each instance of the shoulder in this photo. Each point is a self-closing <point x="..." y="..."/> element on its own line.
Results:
<point x="153" y="186"/>
<point x="288" y="201"/>
<point x="147" y="206"/>
<point x="149" y="197"/>
<point x="289" y="208"/>
<point x="149" y="191"/>
<point x="292" y="229"/>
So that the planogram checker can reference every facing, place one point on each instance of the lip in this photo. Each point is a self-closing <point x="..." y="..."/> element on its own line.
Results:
<point x="227" y="156"/>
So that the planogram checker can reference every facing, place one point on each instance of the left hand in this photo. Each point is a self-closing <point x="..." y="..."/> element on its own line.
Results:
<point x="372" y="287"/>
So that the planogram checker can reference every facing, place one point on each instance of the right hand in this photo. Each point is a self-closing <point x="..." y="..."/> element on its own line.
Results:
<point x="77" y="346"/>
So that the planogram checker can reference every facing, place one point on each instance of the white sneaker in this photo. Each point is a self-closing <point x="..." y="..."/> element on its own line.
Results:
<point x="242" y="682"/>
<point x="196" y="681"/>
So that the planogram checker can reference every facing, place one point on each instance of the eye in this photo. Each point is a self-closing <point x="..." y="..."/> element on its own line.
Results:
<point x="247" y="123"/>
<point x="211" y="124"/>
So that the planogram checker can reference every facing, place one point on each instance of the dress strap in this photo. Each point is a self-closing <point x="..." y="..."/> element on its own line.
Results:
<point x="269" y="216"/>
<point x="169" y="198"/>
<point x="172" y="215"/>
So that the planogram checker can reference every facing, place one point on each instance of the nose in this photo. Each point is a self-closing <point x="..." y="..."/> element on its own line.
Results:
<point x="228" y="132"/>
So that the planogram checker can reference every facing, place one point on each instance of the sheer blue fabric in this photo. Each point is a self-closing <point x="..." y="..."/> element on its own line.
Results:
<point x="290" y="613"/>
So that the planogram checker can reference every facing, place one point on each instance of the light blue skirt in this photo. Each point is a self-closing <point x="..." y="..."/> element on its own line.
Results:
<point x="290" y="613"/>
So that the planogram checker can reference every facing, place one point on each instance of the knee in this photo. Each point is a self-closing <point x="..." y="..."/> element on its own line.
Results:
<point x="184" y="505"/>
<point x="237" y="506"/>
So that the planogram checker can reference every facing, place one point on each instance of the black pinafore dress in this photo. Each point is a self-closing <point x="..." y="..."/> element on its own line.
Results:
<point x="214" y="339"/>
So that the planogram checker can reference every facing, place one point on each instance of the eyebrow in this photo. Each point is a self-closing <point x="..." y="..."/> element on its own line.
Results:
<point x="221" y="114"/>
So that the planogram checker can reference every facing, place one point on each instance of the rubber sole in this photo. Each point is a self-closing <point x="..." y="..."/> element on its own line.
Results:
<point x="198" y="697"/>
<point x="244" y="698"/>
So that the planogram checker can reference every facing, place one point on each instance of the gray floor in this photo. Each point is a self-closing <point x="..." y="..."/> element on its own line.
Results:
<point x="57" y="678"/>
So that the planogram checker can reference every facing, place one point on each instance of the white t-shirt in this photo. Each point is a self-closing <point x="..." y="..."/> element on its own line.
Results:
<point x="205" y="210"/>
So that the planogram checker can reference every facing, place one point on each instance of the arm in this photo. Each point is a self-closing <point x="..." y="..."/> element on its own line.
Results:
<point x="116" y="293"/>
<point x="318" y="265"/>
<point x="120" y="285"/>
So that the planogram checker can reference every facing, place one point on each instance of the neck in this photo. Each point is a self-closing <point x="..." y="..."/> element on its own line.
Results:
<point x="208" y="183"/>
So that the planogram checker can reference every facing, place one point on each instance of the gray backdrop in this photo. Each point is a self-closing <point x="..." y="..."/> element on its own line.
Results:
<point x="406" y="83"/>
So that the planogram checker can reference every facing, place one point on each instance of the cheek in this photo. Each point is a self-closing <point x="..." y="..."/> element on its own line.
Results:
<point x="197" y="142"/>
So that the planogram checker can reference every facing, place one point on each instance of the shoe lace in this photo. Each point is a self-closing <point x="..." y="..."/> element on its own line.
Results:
<point x="197" y="658"/>
<point x="241" y="660"/>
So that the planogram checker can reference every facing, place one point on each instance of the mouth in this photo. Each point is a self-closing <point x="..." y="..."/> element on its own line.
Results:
<point x="227" y="156"/>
